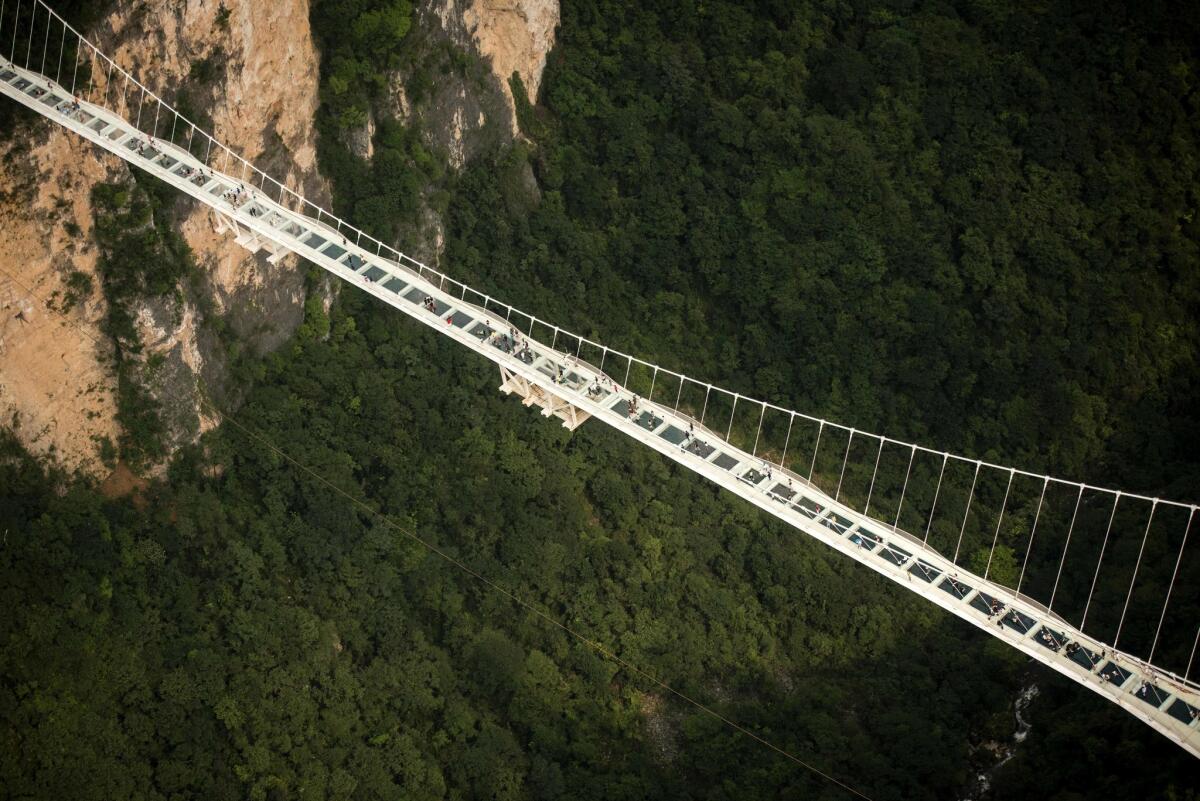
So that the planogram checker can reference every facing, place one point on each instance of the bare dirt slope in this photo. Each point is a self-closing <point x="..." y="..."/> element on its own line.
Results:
<point x="253" y="71"/>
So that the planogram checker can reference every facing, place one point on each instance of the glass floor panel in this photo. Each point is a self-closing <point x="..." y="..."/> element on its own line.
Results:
<point x="725" y="462"/>
<point x="783" y="492"/>
<point x="861" y="541"/>
<point x="648" y="421"/>
<point x="1049" y="638"/>
<point x="836" y="522"/>
<point x="986" y="604"/>
<point x="897" y="556"/>
<point x="1082" y="656"/>
<point x="1152" y="695"/>
<point x="1018" y="621"/>
<point x="1114" y="674"/>
<point x="808" y="507"/>
<point x="1183" y="712"/>
<point x="673" y="435"/>
<point x="924" y="571"/>
<point x="955" y="588"/>
<point x="752" y="477"/>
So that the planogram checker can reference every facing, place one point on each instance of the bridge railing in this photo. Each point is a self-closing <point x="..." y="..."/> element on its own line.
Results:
<point x="955" y="504"/>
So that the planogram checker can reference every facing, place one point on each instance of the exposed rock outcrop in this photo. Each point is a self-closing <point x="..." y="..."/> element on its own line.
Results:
<point x="515" y="36"/>
<point x="57" y="390"/>
<point x="457" y="92"/>
<point x="251" y="68"/>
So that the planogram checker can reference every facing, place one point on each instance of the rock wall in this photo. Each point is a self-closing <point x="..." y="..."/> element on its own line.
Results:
<point x="250" y="66"/>
<point x="57" y="390"/>
<point x="515" y="36"/>
<point x="466" y="108"/>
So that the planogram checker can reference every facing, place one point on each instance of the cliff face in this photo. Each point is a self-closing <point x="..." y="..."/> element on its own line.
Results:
<point x="464" y="105"/>
<point x="515" y="36"/>
<point x="253" y="67"/>
<point x="56" y="386"/>
<point x="251" y="70"/>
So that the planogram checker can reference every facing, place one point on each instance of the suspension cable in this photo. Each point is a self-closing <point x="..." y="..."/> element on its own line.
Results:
<point x="1100" y="560"/>
<point x="874" y="472"/>
<point x="786" y="440"/>
<point x="999" y="520"/>
<point x="509" y="594"/>
<point x="845" y="459"/>
<point x="1171" y="586"/>
<point x="1195" y="642"/>
<point x="817" y="446"/>
<point x="758" y="433"/>
<point x="936" y="493"/>
<point x="1032" y="531"/>
<point x="1063" y="559"/>
<point x="911" y="455"/>
<point x="732" y="412"/>
<point x="1133" y="579"/>
<point x="966" y="514"/>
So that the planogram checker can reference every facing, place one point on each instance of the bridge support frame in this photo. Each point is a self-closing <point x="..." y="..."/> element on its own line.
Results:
<point x="532" y="395"/>
<point x="247" y="238"/>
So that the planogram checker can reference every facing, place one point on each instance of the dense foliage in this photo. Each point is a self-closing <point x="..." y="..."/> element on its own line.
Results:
<point x="247" y="631"/>
<point x="141" y="256"/>
<point x="971" y="223"/>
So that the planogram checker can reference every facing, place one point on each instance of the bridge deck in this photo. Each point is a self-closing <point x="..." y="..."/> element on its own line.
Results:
<point x="1171" y="707"/>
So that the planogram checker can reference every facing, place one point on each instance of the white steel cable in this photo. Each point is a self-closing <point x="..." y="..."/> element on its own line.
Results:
<point x="936" y="493"/>
<point x="786" y="440"/>
<point x="1032" y="531"/>
<point x="966" y="514"/>
<point x="837" y="495"/>
<point x="1133" y="580"/>
<point x="874" y="473"/>
<point x="404" y="259"/>
<point x="1171" y="586"/>
<point x="1063" y="559"/>
<point x="1100" y="560"/>
<point x="911" y="455"/>
<point x="813" y="466"/>
<point x="999" y="520"/>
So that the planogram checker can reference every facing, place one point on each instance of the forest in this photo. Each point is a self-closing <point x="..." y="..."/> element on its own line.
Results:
<point x="966" y="223"/>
